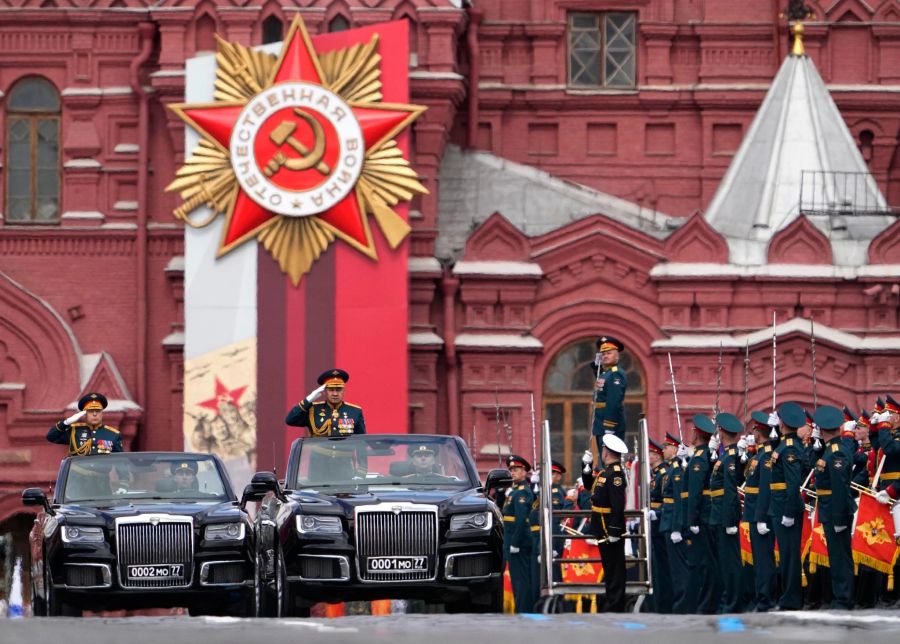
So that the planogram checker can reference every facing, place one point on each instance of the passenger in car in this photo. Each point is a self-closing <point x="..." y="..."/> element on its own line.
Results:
<point x="422" y="461"/>
<point x="184" y="473"/>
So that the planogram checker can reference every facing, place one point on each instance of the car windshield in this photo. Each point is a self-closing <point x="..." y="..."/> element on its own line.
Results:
<point x="379" y="460"/>
<point x="142" y="476"/>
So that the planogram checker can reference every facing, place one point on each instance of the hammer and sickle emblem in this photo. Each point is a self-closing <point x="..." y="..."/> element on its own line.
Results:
<point x="284" y="134"/>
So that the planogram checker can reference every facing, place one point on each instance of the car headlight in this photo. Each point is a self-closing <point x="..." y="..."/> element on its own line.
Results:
<point x="472" y="521"/>
<point x="310" y="523"/>
<point x="225" y="532"/>
<point x="82" y="534"/>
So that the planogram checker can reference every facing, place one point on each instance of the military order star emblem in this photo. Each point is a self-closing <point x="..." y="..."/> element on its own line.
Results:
<point x="297" y="150"/>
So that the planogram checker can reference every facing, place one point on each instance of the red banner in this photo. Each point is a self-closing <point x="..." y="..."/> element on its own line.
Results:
<point x="577" y="573"/>
<point x="873" y="544"/>
<point x="816" y="544"/>
<point x="746" y="549"/>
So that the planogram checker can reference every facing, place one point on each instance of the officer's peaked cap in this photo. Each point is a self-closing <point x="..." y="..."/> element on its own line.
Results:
<point x="792" y="415"/>
<point x="703" y="424"/>
<point x="92" y="401"/>
<point x="828" y="418"/>
<point x="614" y="444"/>
<point x="334" y="378"/>
<point x="607" y="342"/>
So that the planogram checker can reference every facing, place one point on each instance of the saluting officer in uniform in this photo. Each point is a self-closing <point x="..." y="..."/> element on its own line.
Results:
<point x="756" y="513"/>
<point x="331" y="417"/>
<point x="609" y="391"/>
<point x="608" y="520"/>
<point x="786" y="506"/>
<point x="835" y="505"/>
<point x="725" y="513"/>
<point x="90" y="436"/>
<point x="671" y="523"/>
<point x="661" y="599"/>
<point x="703" y="584"/>
<point x="517" y="533"/>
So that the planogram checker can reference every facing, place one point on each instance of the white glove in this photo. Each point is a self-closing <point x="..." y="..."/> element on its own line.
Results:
<point x="731" y="530"/>
<point x="751" y="440"/>
<point x="714" y="443"/>
<point x="683" y="451"/>
<point x="742" y="444"/>
<point x="675" y="537"/>
<point x="71" y="419"/>
<point x="633" y="525"/>
<point x="613" y="539"/>
<point x="787" y="522"/>
<point x="774" y="420"/>
<point x="539" y="558"/>
<point x="849" y="426"/>
<point x="840" y="528"/>
<point x="513" y="550"/>
<point x="695" y="529"/>
<point x="816" y="432"/>
<point x="652" y="515"/>
<point x="883" y="497"/>
<point x="588" y="457"/>
<point x="591" y="542"/>
<point x="535" y="478"/>
<point x="762" y="528"/>
<point x="315" y="393"/>
<point x="881" y="417"/>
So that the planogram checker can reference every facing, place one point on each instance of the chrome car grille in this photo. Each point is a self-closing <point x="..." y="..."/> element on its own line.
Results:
<point x="154" y="540"/>
<point x="397" y="530"/>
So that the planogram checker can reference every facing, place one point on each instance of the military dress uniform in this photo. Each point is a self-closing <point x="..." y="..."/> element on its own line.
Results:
<point x="322" y="418"/>
<point x="889" y="450"/>
<point x="517" y="538"/>
<point x="836" y="507"/>
<point x="608" y="526"/>
<point x="703" y="584"/>
<point x="662" y="598"/>
<point x="725" y="516"/>
<point x="609" y="396"/>
<point x="672" y="521"/>
<point x="786" y="464"/>
<point x="83" y="439"/>
<point x="756" y="511"/>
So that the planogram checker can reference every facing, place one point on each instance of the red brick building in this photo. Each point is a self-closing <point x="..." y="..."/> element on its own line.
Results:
<point x="571" y="149"/>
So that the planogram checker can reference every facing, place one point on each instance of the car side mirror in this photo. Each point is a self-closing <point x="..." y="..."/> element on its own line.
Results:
<point x="261" y="484"/>
<point x="497" y="478"/>
<point x="36" y="496"/>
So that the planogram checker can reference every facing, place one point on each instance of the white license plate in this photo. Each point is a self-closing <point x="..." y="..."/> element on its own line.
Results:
<point x="397" y="564"/>
<point x="163" y="571"/>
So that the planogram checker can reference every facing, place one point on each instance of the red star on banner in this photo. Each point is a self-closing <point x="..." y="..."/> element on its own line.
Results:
<point x="223" y="394"/>
<point x="299" y="63"/>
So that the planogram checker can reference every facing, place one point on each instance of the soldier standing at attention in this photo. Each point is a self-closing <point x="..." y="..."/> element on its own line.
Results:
<point x="786" y="506"/>
<point x="835" y="504"/>
<point x="91" y="436"/>
<point x="756" y="513"/>
<point x="670" y="523"/>
<point x="609" y="391"/>
<point x="608" y="520"/>
<point x="661" y="599"/>
<point x="725" y="513"/>
<point x="703" y="583"/>
<point x="517" y="535"/>
<point x="331" y="417"/>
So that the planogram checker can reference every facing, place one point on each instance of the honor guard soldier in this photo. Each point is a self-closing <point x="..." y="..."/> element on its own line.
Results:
<point x="608" y="520"/>
<point x="889" y="443"/>
<point x="558" y="499"/>
<point x="849" y="429"/>
<point x="756" y="513"/>
<point x="609" y="391"/>
<point x="661" y="599"/>
<point x="90" y="436"/>
<point x="725" y="512"/>
<point x="786" y="506"/>
<point x="517" y="533"/>
<point x="703" y="584"/>
<point x="331" y="417"/>
<point x="835" y="505"/>
<point x="670" y="524"/>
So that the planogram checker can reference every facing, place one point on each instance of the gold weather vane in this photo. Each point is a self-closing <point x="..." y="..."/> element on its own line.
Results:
<point x="797" y="11"/>
<point x="298" y="149"/>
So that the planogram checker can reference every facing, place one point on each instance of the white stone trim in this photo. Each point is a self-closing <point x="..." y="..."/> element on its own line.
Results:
<point x="159" y="225"/>
<point x="119" y="225"/>
<point x="424" y="338"/>
<point x="126" y="148"/>
<point x="82" y="163"/>
<point x="500" y="268"/>
<point x="96" y="91"/>
<point x="174" y="339"/>
<point x="168" y="73"/>
<point x="436" y="75"/>
<point x="82" y="214"/>
<point x="497" y="341"/>
<point x="797" y="271"/>
<point x="423" y="265"/>
<point x="125" y="205"/>
<point x="176" y="263"/>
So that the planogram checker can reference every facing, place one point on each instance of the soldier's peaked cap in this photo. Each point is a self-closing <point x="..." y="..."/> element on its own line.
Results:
<point x="760" y="417"/>
<point x="421" y="449"/>
<point x="703" y="424"/>
<point x="828" y="418"/>
<point x="514" y="460"/>
<point x="92" y="401"/>
<point x="729" y="423"/>
<point x="556" y="466"/>
<point x="891" y="405"/>
<point x="654" y="446"/>
<point x="334" y="378"/>
<point x="792" y="415"/>
<point x="848" y="415"/>
<point x="672" y="440"/>
<point x="607" y="342"/>
<point x="183" y="466"/>
<point x="614" y="444"/>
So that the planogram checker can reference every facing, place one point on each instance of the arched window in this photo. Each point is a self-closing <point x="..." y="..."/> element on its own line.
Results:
<point x="272" y="30"/>
<point x="32" y="152"/>
<point x="338" y="23"/>
<point x="568" y="391"/>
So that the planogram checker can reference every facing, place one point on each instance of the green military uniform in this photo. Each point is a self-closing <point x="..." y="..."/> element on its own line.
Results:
<point x="703" y="583"/>
<point x="324" y="419"/>
<point x="756" y="511"/>
<point x="786" y="504"/>
<point x="82" y="438"/>
<point x="517" y="538"/>
<point x="725" y="514"/>
<point x="609" y="396"/>
<point x="608" y="525"/>
<point x="836" y="507"/>
<point x="662" y="598"/>
<point x="672" y="521"/>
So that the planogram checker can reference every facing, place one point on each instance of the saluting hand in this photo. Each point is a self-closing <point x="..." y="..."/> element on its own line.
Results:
<point x="315" y="393"/>
<point x="71" y="419"/>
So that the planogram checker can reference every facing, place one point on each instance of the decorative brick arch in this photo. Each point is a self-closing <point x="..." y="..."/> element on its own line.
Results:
<point x="857" y="9"/>
<point x="696" y="241"/>
<point x="497" y="239"/>
<point x="800" y="242"/>
<point x="885" y="247"/>
<point x="888" y="12"/>
<point x="39" y="348"/>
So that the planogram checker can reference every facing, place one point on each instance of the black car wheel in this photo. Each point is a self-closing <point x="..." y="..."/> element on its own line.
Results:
<point x="284" y="601"/>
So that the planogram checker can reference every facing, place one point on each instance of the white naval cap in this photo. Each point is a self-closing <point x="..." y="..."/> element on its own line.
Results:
<point x="614" y="444"/>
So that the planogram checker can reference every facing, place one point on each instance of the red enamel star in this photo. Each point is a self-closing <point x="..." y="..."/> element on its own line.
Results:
<point x="223" y="394"/>
<point x="217" y="123"/>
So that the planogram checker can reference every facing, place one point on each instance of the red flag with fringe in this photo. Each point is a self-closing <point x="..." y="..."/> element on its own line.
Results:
<point x="873" y="544"/>
<point x="817" y="546"/>
<point x="577" y="573"/>
<point x="746" y="549"/>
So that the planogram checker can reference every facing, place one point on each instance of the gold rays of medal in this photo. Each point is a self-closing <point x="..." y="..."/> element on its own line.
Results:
<point x="207" y="176"/>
